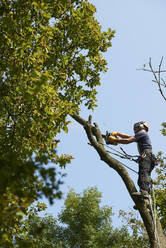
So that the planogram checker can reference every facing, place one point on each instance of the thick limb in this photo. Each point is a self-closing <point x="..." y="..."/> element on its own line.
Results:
<point x="95" y="138"/>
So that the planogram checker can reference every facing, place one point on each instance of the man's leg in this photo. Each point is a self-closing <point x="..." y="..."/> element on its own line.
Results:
<point x="144" y="180"/>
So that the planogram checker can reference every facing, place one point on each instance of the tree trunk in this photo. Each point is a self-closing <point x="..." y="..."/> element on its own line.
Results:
<point x="155" y="232"/>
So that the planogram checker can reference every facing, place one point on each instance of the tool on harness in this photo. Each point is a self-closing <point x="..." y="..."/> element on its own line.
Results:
<point x="154" y="160"/>
<point x="152" y="203"/>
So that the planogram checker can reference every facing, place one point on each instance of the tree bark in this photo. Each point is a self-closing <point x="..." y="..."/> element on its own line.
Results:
<point x="156" y="236"/>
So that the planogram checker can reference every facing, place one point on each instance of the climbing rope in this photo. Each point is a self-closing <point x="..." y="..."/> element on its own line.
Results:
<point x="154" y="215"/>
<point x="125" y="165"/>
<point x="155" y="219"/>
<point x="121" y="155"/>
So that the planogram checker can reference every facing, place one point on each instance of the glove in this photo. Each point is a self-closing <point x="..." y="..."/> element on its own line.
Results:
<point x="112" y="140"/>
<point x="114" y="134"/>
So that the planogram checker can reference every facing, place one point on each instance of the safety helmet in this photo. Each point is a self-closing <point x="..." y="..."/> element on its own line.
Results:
<point x="141" y="125"/>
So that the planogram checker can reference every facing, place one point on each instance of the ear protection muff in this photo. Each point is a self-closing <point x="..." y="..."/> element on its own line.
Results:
<point x="140" y="125"/>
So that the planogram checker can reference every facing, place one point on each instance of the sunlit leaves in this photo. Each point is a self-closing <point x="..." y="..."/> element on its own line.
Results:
<point x="81" y="223"/>
<point x="87" y="224"/>
<point x="51" y="60"/>
<point x="51" y="63"/>
<point x="160" y="190"/>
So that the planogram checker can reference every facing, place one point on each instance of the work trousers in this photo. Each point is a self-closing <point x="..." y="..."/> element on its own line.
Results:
<point x="146" y="166"/>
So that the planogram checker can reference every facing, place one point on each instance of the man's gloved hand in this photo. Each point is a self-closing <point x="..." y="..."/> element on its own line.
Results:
<point x="114" y="134"/>
<point x="113" y="140"/>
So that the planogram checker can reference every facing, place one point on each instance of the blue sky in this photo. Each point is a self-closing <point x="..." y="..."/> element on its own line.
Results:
<point x="126" y="96"/>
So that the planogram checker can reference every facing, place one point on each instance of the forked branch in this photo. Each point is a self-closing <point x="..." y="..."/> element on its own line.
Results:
<point x="157" y="76"/>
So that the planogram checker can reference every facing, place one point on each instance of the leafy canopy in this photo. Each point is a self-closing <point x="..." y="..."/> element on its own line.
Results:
<point x="160" y="190"/>
<point x="51" y="60"/>
<point x="81" y="223"/>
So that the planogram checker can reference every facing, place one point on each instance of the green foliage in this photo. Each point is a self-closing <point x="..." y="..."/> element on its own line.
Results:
<point x="160" y="190"/>
<point x="38" y="232"/>
<point x="81" y="223"/>
<point x="160" y="185"/>
<point x="51" y="60"/>
<point x="138" y="236"/>
<point x="88" y="225"/>
<point x="163" y="131"/>
<point x="19" y="187"/>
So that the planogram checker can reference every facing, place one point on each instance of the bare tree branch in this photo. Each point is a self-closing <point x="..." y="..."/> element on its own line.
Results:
<point x="164" y="84"/>
<point x="157" y="76"/>
<point x="160" y="83"/>
<point x="143" y="69"/>
<point x="160" y="69"/>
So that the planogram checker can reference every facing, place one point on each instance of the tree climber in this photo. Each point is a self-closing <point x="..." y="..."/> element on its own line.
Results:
<point x="147" y="159"/>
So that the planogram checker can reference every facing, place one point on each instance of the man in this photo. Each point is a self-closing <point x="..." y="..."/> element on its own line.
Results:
<point x="147" y="159"/>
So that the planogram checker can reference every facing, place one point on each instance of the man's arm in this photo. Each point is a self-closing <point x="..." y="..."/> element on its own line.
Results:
<point x="128" y="140"/>
<point x="122" y="135"/>
<point x="116" y="140"/>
